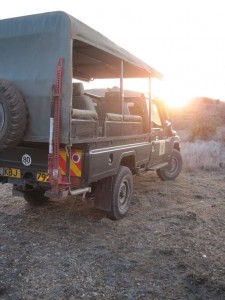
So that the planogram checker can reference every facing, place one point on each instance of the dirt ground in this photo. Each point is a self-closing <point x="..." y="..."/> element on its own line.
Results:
<point x="170" y="246"/>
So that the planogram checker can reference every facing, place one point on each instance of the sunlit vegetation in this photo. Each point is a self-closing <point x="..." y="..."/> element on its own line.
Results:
<point x="201" y="126"/>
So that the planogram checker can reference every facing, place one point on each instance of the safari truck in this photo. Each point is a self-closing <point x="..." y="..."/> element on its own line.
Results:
<point x="56" y="139"/>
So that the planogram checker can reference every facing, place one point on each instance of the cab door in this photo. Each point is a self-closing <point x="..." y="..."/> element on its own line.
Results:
<point x="159" y="136"/>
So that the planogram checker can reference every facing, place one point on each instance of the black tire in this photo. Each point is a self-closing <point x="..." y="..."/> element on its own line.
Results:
<point x="121" y="193"/>
<point x="173" y="169"/>
<point x="13" y="115"/>
<point x="35" y="198"/>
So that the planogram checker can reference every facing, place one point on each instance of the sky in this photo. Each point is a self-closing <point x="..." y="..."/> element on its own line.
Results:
<point x="183" y="39"/>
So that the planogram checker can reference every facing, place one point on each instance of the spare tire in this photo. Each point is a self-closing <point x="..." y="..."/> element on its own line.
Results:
<point x="13" y="115"/>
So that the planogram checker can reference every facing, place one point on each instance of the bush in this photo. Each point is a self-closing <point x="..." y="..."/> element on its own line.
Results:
<point x="204" y="128"/>
<point x="220" y="135"/>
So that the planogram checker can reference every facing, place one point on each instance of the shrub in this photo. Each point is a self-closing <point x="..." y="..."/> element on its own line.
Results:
<point x="220" y="135"/>
<point x="204" y="128"/>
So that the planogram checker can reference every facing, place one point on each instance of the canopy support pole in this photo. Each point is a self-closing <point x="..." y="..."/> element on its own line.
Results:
<point x="121" y="87"/>
<point x="149" y="104"/>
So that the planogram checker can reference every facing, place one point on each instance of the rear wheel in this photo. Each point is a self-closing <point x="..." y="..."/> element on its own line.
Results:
<point x="35" y="197"/>
<point x="172" y="170"/>
<point x="121" y="193"/>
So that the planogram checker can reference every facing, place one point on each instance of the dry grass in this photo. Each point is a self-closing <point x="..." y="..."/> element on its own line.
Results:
<point x="207" y="155"/>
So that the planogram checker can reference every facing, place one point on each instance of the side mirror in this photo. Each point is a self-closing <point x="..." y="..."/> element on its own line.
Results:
<point x="168" y="123"/>
<point x="169" y="127"/>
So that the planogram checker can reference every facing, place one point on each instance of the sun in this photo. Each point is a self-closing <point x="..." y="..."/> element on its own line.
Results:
<point x="174" y="101"/>
<point x="173" y="93"/>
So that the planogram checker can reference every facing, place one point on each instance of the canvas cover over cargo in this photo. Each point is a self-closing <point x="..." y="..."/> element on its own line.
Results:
<point x="30" y="47"/>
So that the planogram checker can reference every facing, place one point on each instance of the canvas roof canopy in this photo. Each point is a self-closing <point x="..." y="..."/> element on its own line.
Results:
<point x="103" y="56"/>
<point x="93" y="63"/>
<point x="30" y="47"/>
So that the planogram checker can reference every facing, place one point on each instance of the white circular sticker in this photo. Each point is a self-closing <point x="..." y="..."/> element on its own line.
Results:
<point x="76" y="158"/>
<point x="26" y="160"/>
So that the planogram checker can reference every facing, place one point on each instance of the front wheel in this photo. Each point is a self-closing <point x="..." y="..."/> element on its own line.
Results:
<point x="35" y="197"/>
<point x="121" y="193"/>
<point x="172" y="170"/>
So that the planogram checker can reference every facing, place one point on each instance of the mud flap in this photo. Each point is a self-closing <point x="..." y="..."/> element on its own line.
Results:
<point x="103" y="194"/>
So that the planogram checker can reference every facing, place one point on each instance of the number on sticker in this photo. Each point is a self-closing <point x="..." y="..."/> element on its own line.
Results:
<point x="26" y="160"/>
<point x="43" y="177"/>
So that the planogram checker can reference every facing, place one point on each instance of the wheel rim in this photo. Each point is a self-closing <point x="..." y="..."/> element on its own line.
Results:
<point x="2" y="117"/>
<point x="173" y="166"/>
<point x="123" y="195"/>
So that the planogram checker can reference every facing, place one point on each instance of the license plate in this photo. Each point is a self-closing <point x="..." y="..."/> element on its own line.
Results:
<point x="43" y="177"/>
<point x="11" y="172"/>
